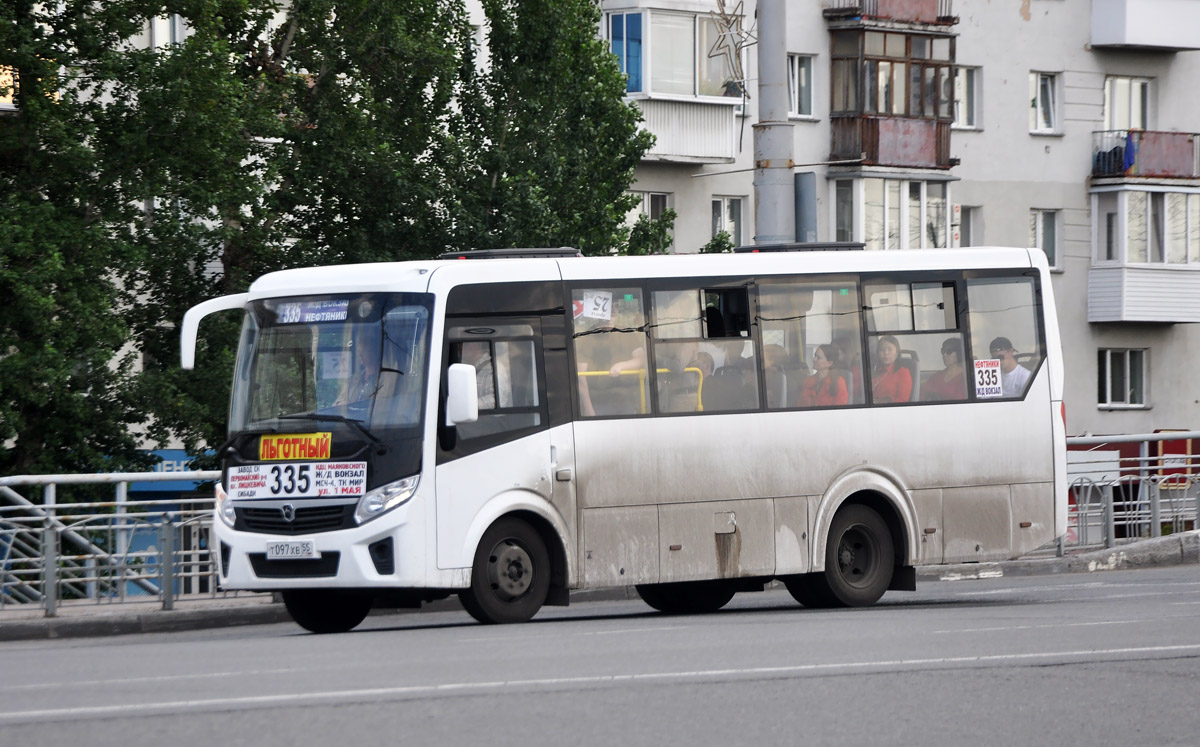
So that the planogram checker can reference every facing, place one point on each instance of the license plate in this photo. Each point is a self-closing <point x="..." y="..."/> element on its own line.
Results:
<point x="294" y="550"/>
<point x="297" y="480"/>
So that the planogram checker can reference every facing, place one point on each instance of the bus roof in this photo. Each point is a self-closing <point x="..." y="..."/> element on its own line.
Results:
<point x="415" y="276"/>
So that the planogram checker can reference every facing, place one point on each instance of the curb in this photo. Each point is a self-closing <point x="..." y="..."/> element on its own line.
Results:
<point x="1178" y="549"/>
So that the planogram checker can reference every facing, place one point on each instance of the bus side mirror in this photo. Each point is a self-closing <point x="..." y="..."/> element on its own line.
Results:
<point x="462" y="394"/>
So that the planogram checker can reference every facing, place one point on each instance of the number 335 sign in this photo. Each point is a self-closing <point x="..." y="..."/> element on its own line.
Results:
<point x="987" y="379"/>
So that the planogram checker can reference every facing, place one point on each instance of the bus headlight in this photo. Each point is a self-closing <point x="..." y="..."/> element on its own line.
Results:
<point x="224" y="506"/>
<point x="384" y="498"/>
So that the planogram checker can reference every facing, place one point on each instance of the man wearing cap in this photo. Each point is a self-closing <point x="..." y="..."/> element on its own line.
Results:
<point x="1013" y="376"/>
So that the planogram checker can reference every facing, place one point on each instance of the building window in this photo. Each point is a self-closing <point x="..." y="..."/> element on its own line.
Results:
<point x="1043" y="102"/>
<point x="902" y="74"/>
<point x="625" y="35"/>
<point x="970" y="230"/>
<point x="1161" y="227"/>
<point x="897" y="214"/>
<point x="8" y="87"/>
<point x="727" y="217"/>
<point x="1126" y="103"/>
<point x="1043" y="233"/>
<point x="650" y="204"/>
<point x="800" y="85"/>
<point x="683" y="54"/>
<point x="1122" y="378"/>
<point x="966" y="97"/>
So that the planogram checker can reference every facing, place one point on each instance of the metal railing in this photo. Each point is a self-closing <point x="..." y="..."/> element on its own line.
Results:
<point x="103" y="552"/>
<point x="1126" y="488"/>
<point x="1122" y="488"/>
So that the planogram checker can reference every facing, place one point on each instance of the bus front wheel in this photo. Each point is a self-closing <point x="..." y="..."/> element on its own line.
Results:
<point x="511" y="574"/>
<point x="327" y="610"/>
<point x="859" y="562"/>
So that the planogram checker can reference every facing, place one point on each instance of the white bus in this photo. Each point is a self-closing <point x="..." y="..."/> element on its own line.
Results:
<point x="527" y="423"/>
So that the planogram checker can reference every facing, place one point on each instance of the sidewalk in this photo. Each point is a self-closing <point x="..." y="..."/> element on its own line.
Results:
<point x="90" y="619"/>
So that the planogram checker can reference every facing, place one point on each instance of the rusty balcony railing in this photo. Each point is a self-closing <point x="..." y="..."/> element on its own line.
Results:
<point x="891" y="141"/>
<point x="1145" y="153"/>
<point x="919" y="11"/>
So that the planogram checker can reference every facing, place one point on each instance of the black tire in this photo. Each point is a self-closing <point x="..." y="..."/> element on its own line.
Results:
<point x="327" y="610"/>
<point x="511" y="574"/>
<point x="689" y="597"/>
<point x="859" y="560"/>
<point x="810" y="590"/>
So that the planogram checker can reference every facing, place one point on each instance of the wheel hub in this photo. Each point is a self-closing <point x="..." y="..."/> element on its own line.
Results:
<point x="510" y="570"/>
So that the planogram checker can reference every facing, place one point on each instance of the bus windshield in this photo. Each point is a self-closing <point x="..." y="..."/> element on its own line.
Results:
<point x="357" y="357"/>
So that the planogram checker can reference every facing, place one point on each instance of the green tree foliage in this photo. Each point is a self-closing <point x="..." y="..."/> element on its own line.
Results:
<point x="137" y="180"/>
<point x="651" y="235"/>
<point x="553" y="144"/>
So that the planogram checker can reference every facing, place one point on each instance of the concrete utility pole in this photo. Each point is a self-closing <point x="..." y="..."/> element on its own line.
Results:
<point x="774" y="186"/>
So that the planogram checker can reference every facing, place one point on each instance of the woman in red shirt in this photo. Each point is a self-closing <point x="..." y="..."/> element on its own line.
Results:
<point x="825" y="388"/>
<point x="949" y="383"/>
<point x="890" y="382"/>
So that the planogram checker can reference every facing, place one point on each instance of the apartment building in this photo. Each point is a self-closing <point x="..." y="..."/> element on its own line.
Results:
<point x="1065" y="124"/>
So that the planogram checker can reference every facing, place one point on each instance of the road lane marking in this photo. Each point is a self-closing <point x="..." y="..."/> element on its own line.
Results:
<point x="494" y="638"/>
<point x="1052" y="626"/>
<point x="326" y="697"/>
<point x="140" y="680"/>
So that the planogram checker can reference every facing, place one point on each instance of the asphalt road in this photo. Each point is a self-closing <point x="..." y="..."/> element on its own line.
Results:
<point x="1102" y="658"/>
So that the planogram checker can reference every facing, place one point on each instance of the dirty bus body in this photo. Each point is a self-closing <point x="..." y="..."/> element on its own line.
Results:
<point x="510" y="429"/>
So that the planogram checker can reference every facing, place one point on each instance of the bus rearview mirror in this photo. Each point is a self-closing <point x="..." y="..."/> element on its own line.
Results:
<point x="462" y="394"/>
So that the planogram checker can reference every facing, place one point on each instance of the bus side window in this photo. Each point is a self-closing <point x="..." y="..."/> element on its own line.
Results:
<point x="609" y="347"/>
<point x="1006" y="343"/>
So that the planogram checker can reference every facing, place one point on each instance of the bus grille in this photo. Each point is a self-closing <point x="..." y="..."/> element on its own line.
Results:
<point x="307" y="519"/>
<point x="324" y="566"/>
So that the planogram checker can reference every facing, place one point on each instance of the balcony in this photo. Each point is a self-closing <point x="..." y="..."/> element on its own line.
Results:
<point x="1146" y="25"/>
<point x="1121" y="154"/>
<point x="891" y="141"/>
<point x="914" y="11"/>
<point x="690" y="131"/>
<point x="1143" y="293"/>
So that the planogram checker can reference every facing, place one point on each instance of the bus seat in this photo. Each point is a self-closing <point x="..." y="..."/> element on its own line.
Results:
<point x="910" y="360"/>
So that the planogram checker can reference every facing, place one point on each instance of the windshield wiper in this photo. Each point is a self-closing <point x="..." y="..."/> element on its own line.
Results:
<point x="355" y="424"/>
<point x="248" y="432"/>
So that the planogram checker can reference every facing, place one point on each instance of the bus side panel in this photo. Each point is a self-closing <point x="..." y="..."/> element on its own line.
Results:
<point x="620" y="546"/>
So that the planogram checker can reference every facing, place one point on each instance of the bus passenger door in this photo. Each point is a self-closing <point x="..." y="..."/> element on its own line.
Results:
<point x="507" y="458"/>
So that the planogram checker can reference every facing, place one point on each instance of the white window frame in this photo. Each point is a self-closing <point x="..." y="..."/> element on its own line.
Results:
<point x="1134" y="85"/>
<point x="9" y="77"/>
<point x="968" y="89"/>
<point x="1041" y="222"/>
<point x="859" y="210"/>
<point x="722" y="224"/>
<point x="800" y="96"/>
<point x="1158" y="204"/>
<point x="970" y="227"/>
<point x="1105" y="362"/>
<point x="1040" y="110"/>
<point x="698" y="54"/>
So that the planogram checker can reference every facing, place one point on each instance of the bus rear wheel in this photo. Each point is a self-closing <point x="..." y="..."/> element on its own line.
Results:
<point x="686" y="597"/>
<point x="327" y="610"/>
<point x="859" y="562"/>
<point x="511" y="574"/>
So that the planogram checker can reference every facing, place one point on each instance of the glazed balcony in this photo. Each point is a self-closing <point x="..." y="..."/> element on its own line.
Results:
<point x="1120" y="154"/>
<point x="1146" y="25"/>
<point x="939" y="12"/>
<point x="690" y="131"/>
<point x="892" y="141"/>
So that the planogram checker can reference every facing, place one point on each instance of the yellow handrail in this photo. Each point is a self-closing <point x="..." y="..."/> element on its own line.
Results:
<point x="641" y="372"/>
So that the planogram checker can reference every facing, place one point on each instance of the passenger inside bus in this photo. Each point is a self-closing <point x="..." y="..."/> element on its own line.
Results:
<point x="891" y="381"/>
<point x="827" y="386"/>
<point x="604" y="348"/>
<point x="950" y="383"/>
